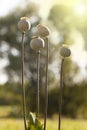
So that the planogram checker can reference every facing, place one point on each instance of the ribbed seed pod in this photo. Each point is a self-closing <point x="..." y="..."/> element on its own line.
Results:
<point x="24" y="24"/>
<point x="65" y="51"/>
<point x="37" y="44"/>
<point x="43" y="30"/>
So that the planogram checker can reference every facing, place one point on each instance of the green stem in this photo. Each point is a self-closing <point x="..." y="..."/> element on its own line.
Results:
<point x="46" y="83"/>
<point x="38" y="85"/>
<point x="23" y="87"/>
<point x="60" y="93"/>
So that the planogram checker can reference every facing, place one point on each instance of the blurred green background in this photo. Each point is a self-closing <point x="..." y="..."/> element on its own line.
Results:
<point x="67" y="21"/>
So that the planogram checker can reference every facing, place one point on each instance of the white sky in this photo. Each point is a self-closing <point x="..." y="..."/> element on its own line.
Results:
<point x="7" y="5"/>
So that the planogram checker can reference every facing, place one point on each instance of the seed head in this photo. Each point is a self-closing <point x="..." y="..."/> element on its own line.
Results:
<point x="37" y="44"/>
<point x="24" y="24"/>
<point x="43" y="30"/>
<point x="65" y="51"/>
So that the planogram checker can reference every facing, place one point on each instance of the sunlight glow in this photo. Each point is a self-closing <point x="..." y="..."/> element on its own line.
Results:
<point x="80" y="9"/>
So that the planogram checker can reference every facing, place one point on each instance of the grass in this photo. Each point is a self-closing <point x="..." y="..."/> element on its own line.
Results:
<point x="5" y="110"/>
<point x="52" y="124"/>
<point x="11" y="124"/>
<point x="67" y="124"/>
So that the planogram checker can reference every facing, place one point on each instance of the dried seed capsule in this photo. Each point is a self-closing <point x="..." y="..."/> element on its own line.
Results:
<point x="24" y="24"/>
<point x="37" y="44"/>
<point x="65" y="51"/>
<point x="43" y="30"/>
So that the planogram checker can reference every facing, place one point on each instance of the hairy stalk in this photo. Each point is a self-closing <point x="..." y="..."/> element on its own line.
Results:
<point x="60" y="94"/>
<point x="23" y="87"/>
<point x="38" y="85"/>
<point x="46" y="83"/>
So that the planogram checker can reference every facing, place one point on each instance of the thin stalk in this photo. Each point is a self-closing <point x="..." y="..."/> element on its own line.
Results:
<point x="38" y="84"/>
<point x="60" y="93"/>
<point x="46" y="83"/>
<point x="23" y="87"/>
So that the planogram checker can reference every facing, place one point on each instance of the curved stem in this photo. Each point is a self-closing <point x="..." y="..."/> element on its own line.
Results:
<point x="23" y="87"/>
<point x="38" y="85"/>
<point x="60" y="93"/>
<point x="46" y="83"/>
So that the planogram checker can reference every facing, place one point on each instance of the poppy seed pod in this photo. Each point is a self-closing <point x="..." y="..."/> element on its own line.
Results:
<point x="65" y="51"/>
<point x="24" y="24"/>
<point x="43" y="30"/>
<point x="37" y="44"/>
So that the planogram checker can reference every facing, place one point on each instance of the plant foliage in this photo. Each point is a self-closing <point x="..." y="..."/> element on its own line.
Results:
<point x="34" y="123"/>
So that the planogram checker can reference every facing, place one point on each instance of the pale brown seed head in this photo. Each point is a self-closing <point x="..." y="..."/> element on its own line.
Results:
<point x="43" y="30"/>
<point x="24" y="24"/>
<point x="65" y="51"/>
<point x="37" y="44"/>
